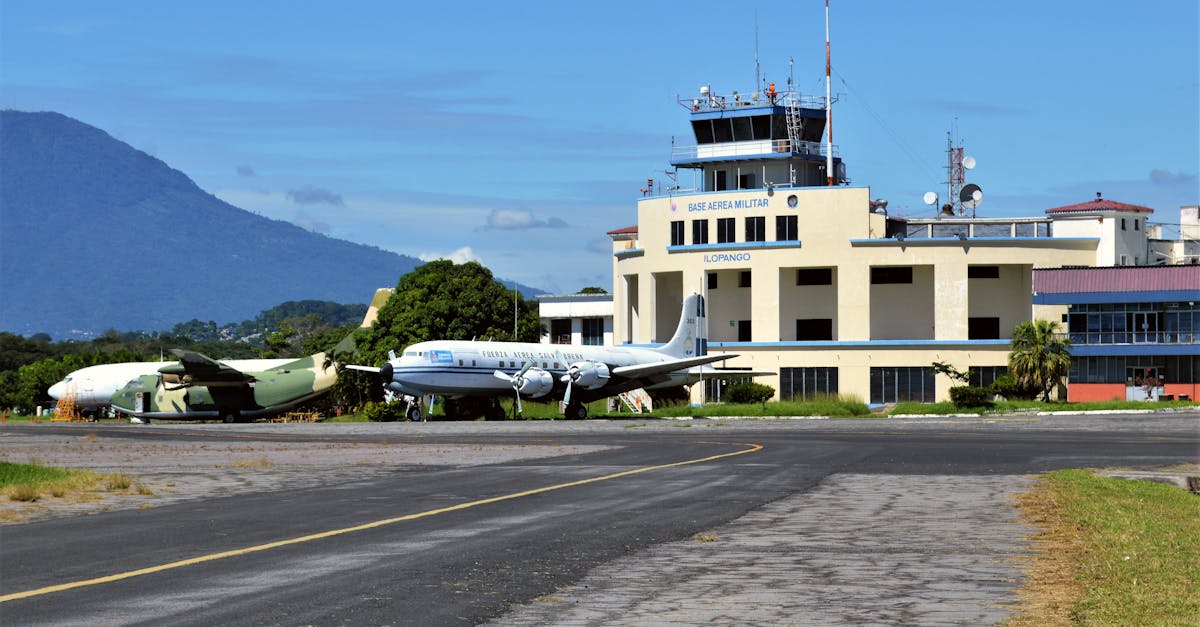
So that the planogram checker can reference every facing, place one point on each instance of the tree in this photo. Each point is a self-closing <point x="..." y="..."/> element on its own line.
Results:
<point x="1040" y="358"/>
<point x="442" y="300"/>
<point x="593" y="290"/>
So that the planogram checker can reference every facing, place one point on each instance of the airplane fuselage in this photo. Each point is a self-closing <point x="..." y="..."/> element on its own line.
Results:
<point x="463" y="368"/>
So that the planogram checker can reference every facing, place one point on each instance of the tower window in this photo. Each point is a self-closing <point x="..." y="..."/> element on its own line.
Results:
<point x="756" y="229"/>
<point x="725" y="230"/>
<point x="699" y="231"/>
<point x="677" y="233"/>
<point x="786" y="228"/>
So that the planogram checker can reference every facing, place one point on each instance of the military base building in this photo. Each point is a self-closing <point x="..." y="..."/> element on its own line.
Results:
<point x="809" y="279"/>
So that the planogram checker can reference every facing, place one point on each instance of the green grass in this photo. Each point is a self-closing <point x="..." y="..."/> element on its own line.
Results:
<point x="29" y="482"/>
<point x="1128" y="549"/>
<point x="1010" y="407"/>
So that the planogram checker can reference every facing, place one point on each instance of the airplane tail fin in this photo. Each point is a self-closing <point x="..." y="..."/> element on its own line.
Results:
<point x="377" y="301"/>
<point x="691" y="336"/>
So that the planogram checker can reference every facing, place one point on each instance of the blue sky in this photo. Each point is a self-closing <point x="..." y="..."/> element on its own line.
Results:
<point x="517" y="134"/>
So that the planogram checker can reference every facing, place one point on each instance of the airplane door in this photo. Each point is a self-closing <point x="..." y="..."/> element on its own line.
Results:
<point x="139" y="402"/>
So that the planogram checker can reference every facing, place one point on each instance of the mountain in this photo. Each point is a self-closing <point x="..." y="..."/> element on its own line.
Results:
<point x="95" y="234"/>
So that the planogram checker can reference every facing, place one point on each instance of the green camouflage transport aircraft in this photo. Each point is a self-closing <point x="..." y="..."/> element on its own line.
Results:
<point x="200" y="388"/>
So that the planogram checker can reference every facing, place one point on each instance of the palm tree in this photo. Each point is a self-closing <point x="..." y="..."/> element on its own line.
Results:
<point x="1040" y="358"/>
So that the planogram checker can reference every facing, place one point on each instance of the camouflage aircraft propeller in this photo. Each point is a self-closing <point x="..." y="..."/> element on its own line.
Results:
<point x="201" y="388"/>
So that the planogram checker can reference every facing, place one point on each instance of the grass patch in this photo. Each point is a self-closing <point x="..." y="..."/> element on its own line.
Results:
<point x="1011" y="407"/>
<point x="1110" y="552"/>
<point x="28" y="482"/>
<point x="833" y="406"/>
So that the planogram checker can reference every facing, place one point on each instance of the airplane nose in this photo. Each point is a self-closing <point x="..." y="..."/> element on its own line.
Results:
<point x="56" y="391"/>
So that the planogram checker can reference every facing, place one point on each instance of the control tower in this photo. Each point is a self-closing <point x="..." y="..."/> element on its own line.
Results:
<point x="760" y="140"/>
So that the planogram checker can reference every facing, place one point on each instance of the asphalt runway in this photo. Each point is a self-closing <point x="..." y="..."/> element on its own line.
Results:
<point x="455" y="544"/>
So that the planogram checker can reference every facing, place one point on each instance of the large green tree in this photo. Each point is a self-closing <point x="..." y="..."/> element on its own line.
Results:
<point x="1040" y="356"/>
<point x="442" y="300"/>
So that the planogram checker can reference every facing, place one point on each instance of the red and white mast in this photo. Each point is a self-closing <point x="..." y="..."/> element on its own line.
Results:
<point x="828" y="106"/>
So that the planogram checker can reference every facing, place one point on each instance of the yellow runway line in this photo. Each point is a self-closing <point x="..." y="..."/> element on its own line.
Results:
<point x="372" y="525"/>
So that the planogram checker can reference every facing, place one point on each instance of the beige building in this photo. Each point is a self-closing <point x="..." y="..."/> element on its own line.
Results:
<point x="817" y="284"/>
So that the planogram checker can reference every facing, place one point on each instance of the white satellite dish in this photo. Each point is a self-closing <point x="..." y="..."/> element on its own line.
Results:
<point x="969" y="162"/>
<point x="930" y="198"/>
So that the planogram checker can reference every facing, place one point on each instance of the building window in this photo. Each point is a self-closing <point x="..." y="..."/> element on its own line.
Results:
<point x="724" y="230"/>
<point x="814" y="276"/>
<point x="560" y="331"/>
<point x="892" y="385"/>
<point x="746" y="181"/>
<point x="983" y="272"/>
<point x="814" y="329"/>
<point x="1122" y="224"/>
<point x="983" y="328"/>
<point x="884" y="275"/>
<point x="677" y="233"/>
<point x="1137" y="225"/>
<point x="756" y="229"/>
<point x="699" y="231"/>
<point x="721" y="182"/>
<point x="799" y="384"/>
<point x="712" y="280"/>
<point x="593" y="331"/>
<point x="984" y="376"/>
<point x="785" y="228"/>
<point x="743" y="327"/>
<point x="744" y="278"/>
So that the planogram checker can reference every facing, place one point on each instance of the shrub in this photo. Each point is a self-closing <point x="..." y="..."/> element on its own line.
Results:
<point x="748" y="393"/>
<point x="1006" y="385"/>
<point x="970" y="396"/>
<point x="384" y="412"/>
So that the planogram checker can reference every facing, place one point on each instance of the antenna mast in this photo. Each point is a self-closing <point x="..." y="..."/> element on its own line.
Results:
<point x="757" y="70"/>
<point x="828" y="106"/>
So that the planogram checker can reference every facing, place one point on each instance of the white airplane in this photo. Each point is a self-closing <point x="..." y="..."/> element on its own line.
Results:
<point x="94" y="386"/>
<point x="577" y="374"/>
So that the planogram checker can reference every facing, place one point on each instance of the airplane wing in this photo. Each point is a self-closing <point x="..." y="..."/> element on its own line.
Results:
<point x="362" y="368"/>
<point x="197" y="369"/>
<point x="663" y="367"/>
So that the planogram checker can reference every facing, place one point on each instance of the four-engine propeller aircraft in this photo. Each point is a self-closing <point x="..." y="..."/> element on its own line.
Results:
<point x="200" y="388"/>
<point x="576" y="374"/>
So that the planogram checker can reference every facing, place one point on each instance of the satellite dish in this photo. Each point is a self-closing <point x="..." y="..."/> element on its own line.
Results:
<point x="969" y="162"/>
<point x="930" y="198"/>
<point x="970" y="196"/>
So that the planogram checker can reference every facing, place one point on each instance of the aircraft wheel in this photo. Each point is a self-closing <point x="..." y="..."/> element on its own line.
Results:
<point x="414" y="413"/>
<point x="229" y="418"/>
<point x="576" y="412"/>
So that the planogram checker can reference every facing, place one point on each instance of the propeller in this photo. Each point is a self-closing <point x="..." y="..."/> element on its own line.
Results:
<point x="517" y="381"/>
<point x="569" y="379"/>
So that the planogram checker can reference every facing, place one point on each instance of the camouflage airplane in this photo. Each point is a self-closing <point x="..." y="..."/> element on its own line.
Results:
<point x="200" y="388"/>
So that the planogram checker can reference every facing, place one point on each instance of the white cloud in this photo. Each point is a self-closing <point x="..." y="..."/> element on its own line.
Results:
<point x="509" y="220"/>
<point x="462" y="255"/>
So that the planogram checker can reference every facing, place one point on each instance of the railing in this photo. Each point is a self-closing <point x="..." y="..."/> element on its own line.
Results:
<point x="706" y="103"/>
<point x="1133" y="337"/>
<point x="750" y="148"/>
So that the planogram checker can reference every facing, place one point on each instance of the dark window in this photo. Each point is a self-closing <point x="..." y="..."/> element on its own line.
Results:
<point x="814" y="276"/>
<point x="677" y="233"/>
<point x="699" y="231"/>
<point x="725" y="231"/>
<point x="744" y="278"/>
<point x="560" y="331"/>
<point x="593" y="331"/>
<point x="721" y="183"/>
<point x="892" y="385"/>
<point x="743" y="330"/>
<point x="712" y="280"/>
<point x="785" y="228"/>
<point x="814" y="329"/>
<point x="983" y="328"/>
<point x="703" y="130"/>
<point x="756" y="229"/>
<point x="1137" y="225"/>
<point x="746" y="181"/>
<point x="888" y="274"/>
<point x="762" y="126"/>
<point x="722" y="130"/>
<point x="1122" y="224"/>
<point x="798" y="384"/>
<point x="983" y="376"/>
<point x="983" y="272"/>
<point x="741" y="129"/>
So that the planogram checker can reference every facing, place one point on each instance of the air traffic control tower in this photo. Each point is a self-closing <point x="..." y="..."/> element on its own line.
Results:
<point x="758" y="140"/>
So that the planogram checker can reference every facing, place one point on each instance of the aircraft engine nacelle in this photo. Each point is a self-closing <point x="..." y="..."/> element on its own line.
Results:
<point x="535" y="383"/>
<point x="589" y="374"/>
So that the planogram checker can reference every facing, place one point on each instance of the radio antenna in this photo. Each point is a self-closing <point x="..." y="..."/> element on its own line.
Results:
<point x="757" y="71"/>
